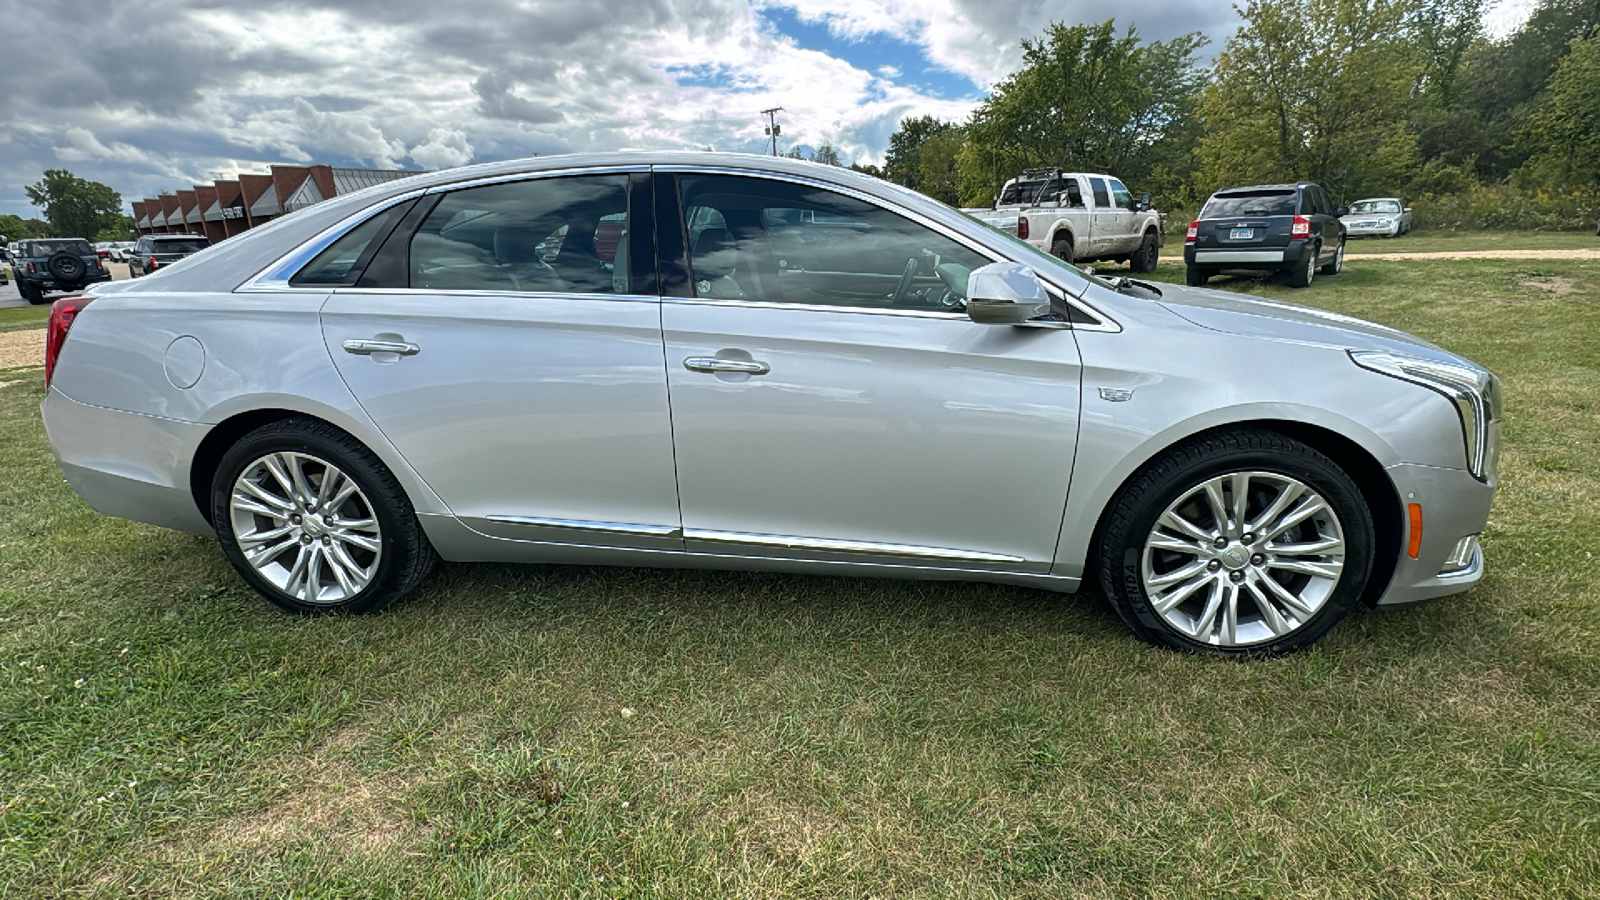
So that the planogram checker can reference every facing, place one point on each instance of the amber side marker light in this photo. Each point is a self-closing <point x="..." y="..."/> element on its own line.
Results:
<point x="1415" y="545"/>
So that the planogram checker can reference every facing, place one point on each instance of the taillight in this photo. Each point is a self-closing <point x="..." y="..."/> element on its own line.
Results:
<point x="1022" y="226"/>
<point x="62" y="312"/>
<point x="99" y="265"/>
<point x="151" y="264"/>
<point x="1194" y="232"/>
<point x="31" y="269"/>
<point x="1300" y="228"/>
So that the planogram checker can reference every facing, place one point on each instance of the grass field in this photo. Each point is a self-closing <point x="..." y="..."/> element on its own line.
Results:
<point x="527" y="732"/>
<point x="1440" y="241"/>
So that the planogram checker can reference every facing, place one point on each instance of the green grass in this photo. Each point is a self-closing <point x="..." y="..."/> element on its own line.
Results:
<point x="533" y="731"/>
<point x="18" y="318"/>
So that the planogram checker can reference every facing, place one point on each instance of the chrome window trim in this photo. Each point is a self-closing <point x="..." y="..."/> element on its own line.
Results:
<point x="275" y="277"/>
<point x="666" y="531"/>
<point x="838" y="546"/>
<point x="1105" y="323"/>
<point x="467" y="292"/>
<point x="530" y="176"/>
<point x="815" y="307"/>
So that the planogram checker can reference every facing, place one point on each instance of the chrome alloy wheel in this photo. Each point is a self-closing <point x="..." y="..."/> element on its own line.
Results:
<point x="1243" y="558"/>
<point x="306" y="527"/>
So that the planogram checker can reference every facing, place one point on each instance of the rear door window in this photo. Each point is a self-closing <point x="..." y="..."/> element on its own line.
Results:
<point x="1102" y="199"/>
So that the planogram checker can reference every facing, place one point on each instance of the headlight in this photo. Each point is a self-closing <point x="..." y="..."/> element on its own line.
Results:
<point x="1475" y="393"/>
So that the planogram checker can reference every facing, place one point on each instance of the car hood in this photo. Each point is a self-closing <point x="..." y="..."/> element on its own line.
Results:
<point x="1254" y="317"/>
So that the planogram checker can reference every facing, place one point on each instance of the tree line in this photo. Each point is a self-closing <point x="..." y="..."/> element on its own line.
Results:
<point x="1366" y="97"/>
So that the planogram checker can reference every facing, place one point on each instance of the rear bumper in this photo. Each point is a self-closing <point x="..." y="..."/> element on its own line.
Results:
<point x="1241" y="258"/>
<point x="46" y="283"/>
<point x="1455" y="506"/>
<point x="124" y="464"/>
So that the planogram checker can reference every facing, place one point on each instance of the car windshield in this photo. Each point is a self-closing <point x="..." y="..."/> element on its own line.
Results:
<point x="1375" y="206"/>
<point x="50" y="248"/>
<point x="1250" y="203"/>
<point x="180" y="245"/>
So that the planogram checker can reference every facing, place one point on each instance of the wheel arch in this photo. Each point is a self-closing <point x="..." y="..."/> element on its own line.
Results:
<point x="1356" y="460"/>
<point x="227" y="432"/>
<point x="1063" y="229"/>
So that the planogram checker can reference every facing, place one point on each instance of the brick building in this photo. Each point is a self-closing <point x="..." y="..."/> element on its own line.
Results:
<point x="221" y="210"/>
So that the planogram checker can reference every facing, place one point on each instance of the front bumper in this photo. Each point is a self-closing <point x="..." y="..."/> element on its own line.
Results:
<point x="1371" y="229"/>
<point x="1455" y="506"/>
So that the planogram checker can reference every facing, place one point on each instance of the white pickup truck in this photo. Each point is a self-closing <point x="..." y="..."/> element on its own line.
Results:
<point x="1078" y="217"/>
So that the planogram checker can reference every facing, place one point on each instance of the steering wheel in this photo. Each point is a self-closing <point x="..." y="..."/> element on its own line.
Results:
<point x="904" y="287"/>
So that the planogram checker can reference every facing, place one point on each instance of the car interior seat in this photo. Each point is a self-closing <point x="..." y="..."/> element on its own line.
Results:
<point x="715" y="259"/>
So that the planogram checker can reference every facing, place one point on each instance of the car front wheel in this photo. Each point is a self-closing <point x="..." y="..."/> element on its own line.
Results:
<point x="1242" y="543"/>
<point x="314" y="522"/>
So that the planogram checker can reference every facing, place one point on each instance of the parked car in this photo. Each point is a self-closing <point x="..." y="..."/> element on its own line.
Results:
<point x="1276" y="227"/>
<point x="154" y="251"/>
<point x="102" y="249"/>
<point x="783" y="366"/>
<point x="120" y="251"/>
<point x="1379" y="216"/>
<point x="55" y="264"/>
<point x="1078" y="217"/>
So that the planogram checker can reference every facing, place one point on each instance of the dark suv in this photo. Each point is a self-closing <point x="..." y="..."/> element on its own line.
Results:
<point x="56" y="264"/>
<point x="157" y="250"/>
<point x="1285" y="227"/>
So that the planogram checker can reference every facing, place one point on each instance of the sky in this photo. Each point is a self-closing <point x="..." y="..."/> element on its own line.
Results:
<point x="152" y="95"/>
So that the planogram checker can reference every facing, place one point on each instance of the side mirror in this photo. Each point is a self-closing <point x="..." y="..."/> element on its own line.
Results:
<point x="1408" y="209"/>
<point x="1342" y="211"/>
<point x="1144" y="202"/>
<point x="1005" y="293"/>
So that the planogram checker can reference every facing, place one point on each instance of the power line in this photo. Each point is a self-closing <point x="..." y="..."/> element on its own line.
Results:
<point x="773" y="128"/>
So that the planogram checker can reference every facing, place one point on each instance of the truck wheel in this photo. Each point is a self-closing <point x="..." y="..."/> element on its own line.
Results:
<point x="1197" y="277"/>
<point x="1148" y="254"/>
<point x="1062" y="249"/>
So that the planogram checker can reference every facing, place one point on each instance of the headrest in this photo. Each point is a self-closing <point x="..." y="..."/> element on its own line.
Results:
<point x="516" y="246"/>
<point x="715" y="254"/>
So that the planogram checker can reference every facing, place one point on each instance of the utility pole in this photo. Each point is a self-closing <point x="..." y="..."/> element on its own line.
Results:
<point x="773" y="128"/>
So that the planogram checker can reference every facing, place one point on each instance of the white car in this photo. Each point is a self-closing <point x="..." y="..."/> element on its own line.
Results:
<point x="1377" y="217"/>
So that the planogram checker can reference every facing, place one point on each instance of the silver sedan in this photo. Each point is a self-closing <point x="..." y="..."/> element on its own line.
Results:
<point x="748" y="363"/>
<point x="1377" y="217"/>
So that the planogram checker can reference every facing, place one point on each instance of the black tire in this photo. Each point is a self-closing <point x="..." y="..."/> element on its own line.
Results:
<point x="1148" y="254"/>
<point x="1062" y="249"/>
<point x="1305" y="271"/>
<point x="66" y="267"/>
<point x="1197" y="276"/>
<point x="1133" y="514"/>
<point x="1337" y="265"/>
<point x="30" y="292"/>
<point x="406" y="556"/>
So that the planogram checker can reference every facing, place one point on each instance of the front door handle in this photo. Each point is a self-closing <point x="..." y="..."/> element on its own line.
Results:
<point x="368" y="347"/>
<point x="719" y="364"/>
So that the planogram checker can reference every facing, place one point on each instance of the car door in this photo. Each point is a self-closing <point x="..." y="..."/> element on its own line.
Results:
<point x="1124" y="236"/>
<point x="518" y="371"/>
<point x="831" y="399"/>
<point x="1105" y="216"/>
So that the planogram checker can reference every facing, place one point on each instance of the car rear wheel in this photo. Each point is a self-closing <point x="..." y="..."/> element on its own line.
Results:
<point x="1148" y="254"/>
<point x="1306" y="271"/>
<point x="1243" y="543"/>
<point x="31" y="292"/>
<point x="1062" y="249"/>
<point x="1197" y="276"/>
<point x="314" y="522"/>
<point x="1337" y="265"/>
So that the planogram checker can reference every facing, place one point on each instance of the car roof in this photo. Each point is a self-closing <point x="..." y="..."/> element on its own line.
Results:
<point x="1265" y="187"/>
<point x="232" y="262"/>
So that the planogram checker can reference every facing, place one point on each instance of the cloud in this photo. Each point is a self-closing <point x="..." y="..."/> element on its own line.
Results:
<point x="496" y="101"/>
<point x="445" y="148"/>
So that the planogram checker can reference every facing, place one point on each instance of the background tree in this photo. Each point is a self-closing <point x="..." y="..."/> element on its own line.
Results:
<point x="1086" y="99"/>
<point x="75" y="207"/>
<point x="1313" y="89"/>
<point x="1562" y="134"/>
<point x="15" y="228"/>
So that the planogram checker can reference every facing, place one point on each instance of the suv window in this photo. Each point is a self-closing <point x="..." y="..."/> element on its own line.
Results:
<point x="178" y="244"/>
<point x="1102" y="199"/>
<point x="1121" y="196"/>
<point x="50" y="248"/>
<point x="764" y="240"/>
<point x="1231" y="204"/>
<point x="560" y="235"/>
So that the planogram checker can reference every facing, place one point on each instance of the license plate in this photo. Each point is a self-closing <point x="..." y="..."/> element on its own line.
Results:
<point x="1241" y="234"/>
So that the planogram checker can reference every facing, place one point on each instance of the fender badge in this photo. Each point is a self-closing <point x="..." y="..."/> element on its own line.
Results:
<point x="1115" y="395"/>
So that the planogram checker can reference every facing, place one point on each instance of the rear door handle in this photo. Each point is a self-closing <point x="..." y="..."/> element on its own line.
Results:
<point x="368" y="347"/>
<point x="718" y="364"/>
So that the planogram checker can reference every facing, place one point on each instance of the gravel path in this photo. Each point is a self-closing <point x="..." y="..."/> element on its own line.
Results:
<point x="21" y="348"/>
